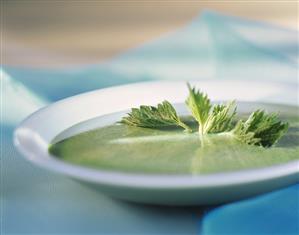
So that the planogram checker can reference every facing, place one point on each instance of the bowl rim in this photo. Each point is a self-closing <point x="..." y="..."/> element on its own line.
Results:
<point x="34" y="148"/>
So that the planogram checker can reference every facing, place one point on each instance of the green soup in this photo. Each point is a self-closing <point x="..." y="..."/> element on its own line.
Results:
<point x="172" y="151"/>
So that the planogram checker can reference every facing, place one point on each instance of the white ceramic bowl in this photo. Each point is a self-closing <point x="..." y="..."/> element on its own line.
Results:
<point x="34" y="135"/>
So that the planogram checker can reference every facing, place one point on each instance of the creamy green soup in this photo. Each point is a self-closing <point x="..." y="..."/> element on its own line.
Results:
<point x="124" y="148"/>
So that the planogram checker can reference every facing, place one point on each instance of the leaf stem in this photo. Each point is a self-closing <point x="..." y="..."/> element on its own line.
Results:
<point x="201" y="134"/>
<point x="183" y="125"/>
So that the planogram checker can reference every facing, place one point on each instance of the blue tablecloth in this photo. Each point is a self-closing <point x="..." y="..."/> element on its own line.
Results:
<point x="214" y="46"/>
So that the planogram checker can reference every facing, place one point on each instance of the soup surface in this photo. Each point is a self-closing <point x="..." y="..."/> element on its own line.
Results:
<point x="124" y="148"/>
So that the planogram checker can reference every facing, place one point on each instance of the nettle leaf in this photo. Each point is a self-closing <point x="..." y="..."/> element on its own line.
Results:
<point x="199" y="105"/>
<point x="211" y="119"/>
<point x="154" y="117"/>
<point x="221" y="118"/>
<point x="260" y="129"/>
<point x="241" y="133"/>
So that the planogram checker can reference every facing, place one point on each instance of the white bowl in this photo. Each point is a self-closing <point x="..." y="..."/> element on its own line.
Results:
<point x="34" y="135"/>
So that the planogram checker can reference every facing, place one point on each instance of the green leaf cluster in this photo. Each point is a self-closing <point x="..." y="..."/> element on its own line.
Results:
<point x="154" y="117"/>
<point x="259" y="129"/>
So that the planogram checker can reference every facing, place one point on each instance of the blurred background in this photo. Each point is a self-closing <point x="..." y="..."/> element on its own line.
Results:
<point x="55" y="34"/>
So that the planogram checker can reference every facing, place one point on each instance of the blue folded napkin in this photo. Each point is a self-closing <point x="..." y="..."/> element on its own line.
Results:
<point x="272" y="213"/>
<point x="212" y="46"/>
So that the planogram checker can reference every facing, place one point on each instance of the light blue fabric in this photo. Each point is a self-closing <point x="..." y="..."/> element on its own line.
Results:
<point x="212" y="46"/>
<point x="273" y="213"/>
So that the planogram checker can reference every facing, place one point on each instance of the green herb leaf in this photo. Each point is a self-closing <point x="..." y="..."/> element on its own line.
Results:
<point x="154" y="117"/>
<point x="199" y="105"/>
<point x="210" y="119"/>
<point x="241" y="133"/>
<point x="221" y="118"/>
<point x="260" y="129"/>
